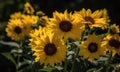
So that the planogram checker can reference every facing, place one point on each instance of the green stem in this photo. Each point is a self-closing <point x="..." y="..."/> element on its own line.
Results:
<point x="76" y="54"/>
<point x="17" y="65"/>
<point x="65" y="66"/>
<point x="19" y="55"/>
<point x="107" y="62"/>
<point x="73" y="65"/>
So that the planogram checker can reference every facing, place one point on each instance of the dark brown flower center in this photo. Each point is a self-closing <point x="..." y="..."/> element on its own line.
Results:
<point x="65" y="26"/>
<point x="29" y="8"/>
<point x="50" y="49"/>
<point x="92" y="47"/>
<point x="17" y="30"/>
<point x="114" y="43"/>
<point x="90" y="19"/>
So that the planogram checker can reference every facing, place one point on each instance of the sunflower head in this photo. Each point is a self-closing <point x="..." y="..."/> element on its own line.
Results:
<point x="65" y="25"/>
<point x="36" y="34"/>
<point x="17" y="15"/>
<point x="112" y="43"/>
<point x="118" y="68"/>
<point x="89" y="19"/>
<point x="34" y="19"/>
<point x="91" y="48"/>
<point x="48" y="48"/>
<point x="115" y="29"/>
<point x="15" y="29"/>
<point x="29" y="9"/>
<point x="105" y="15"/>
<point x="27" y="21"/>
<point x="43" y="21"/>
<point x="93" y="19"/>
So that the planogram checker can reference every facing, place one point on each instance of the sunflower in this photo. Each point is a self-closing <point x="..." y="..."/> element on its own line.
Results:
<point x="118" y="68"/>
<point x="34" y="19"/>
<point x="36" y="34"/>
<point x="65" y="25"/>
<point x="105" y="15"/>
<point x="27" y="24"/>
<point x="15" y="29"/>
<point x="17" y="15"/>
<point x="28" y="20"/>
<point x="43" y="21"/>
<point x="29" y="9"/>
<point x="112" y="43"/>
<point x="115" y="29"/>
<point x="49" y="50"/>
<point x="95" y="19"/>
<point x="91" y="48"/>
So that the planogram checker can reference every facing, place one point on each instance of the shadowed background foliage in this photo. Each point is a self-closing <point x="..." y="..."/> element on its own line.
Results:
<point x="8" y="7"/>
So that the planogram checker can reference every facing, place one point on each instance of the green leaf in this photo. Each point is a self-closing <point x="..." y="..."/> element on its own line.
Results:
<point x="9" y="56"/>
<point x="91" y="70"/>
<point x="17" y="51"/>
<point x="23" y="64"/>
<point x="47" y="69"/>
<point x="14" y="44"/>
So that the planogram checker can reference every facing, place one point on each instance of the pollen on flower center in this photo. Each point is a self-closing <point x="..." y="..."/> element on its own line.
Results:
<point x="17" y="30"/>
<point x="50" y="49"/>
<point x="92" y="47"/>
<point x="65" y="26"/>
<point x="114" y="43"/>
<point x="90" y="19"/>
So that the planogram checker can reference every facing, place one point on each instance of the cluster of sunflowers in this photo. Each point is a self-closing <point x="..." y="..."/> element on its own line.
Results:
<point x="66" y="38"/>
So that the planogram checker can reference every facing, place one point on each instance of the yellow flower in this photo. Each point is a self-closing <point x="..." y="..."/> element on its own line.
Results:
<point x="65" y="25"/>
<point x="17" y="15"/>
<point x="91" y="48"/>
<point x="105" y="15"/>
<point x="29" y="9"/>
<point x="118" y="68"/>
<point x="49" y="50"/>
<point x="95" y="19"/>
<point x="27" y="23"/>
<point x="36" y="34"/>
<point x="43" y="21"/>
<point x="115" y="29"/>
<point x="28" y="20"/>
<point x="15" y="29"/>
<point x="112" y="43"/>
<point x="34" y="19"/>
<point x="45" y="18"/>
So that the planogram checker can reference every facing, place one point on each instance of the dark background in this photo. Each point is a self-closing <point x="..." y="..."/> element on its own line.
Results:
<point x="8" y="7"/>
<point x="48" y="6"/>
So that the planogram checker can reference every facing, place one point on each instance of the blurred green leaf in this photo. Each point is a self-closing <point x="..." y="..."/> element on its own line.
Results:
<point x="18" y="51"/>
<point x="30" y="67"/>
<point x="14" y="44"/>
<point x="23" y="64"/>
<point x="92" y="70"/>
<point x="9" y="57"/>
<point x="70" y="52"/>
<point x="47" y="69"/>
